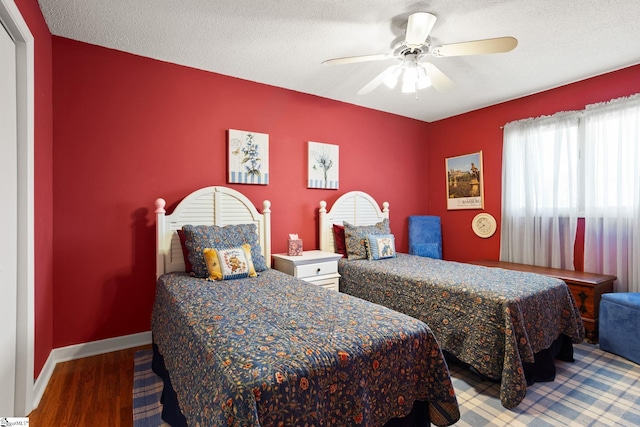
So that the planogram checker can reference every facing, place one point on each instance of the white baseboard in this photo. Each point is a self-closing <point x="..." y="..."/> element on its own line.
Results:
<point x="78" y="351"/>
<point x="41" y="382"/>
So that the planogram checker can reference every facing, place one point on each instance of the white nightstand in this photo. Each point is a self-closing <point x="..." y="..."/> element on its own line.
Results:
<point x="317" y="267"/>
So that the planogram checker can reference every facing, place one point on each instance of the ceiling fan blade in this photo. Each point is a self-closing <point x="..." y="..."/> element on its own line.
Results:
<point x="439" y="80"/>
<point x="377" y="80"/>
<point x="419" y="26"/>
<point x="353" y="59"/>
<point x="477" y="47"/>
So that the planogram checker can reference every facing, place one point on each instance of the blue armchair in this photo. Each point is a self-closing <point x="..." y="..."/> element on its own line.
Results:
<point x="425" y="236"/>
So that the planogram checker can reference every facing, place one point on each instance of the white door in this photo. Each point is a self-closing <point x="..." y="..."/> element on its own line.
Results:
<point x="8" y="222"/>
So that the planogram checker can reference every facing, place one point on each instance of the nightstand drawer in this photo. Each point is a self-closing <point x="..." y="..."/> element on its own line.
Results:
<point x="331" y="283"/>
<point x="316" y="269"/>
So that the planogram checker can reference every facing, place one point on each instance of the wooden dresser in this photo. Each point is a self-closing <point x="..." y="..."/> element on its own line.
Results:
<point x="585" y="287"/>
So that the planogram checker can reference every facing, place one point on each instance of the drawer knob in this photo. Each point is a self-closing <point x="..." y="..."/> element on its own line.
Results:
<point x="318" y="270"/>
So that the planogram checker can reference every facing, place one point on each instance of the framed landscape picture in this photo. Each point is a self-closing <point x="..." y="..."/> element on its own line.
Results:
<point x="465" y="183"/>
<point x="248" y="158"/>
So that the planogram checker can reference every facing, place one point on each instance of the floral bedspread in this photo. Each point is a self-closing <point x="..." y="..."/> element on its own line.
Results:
<point x="274" y="350"/>
<point x="491" y="318"/>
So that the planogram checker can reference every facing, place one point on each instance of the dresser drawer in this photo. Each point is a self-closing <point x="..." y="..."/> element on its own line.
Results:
<point x="316" y="269"/>
<point x="585" y="299"/>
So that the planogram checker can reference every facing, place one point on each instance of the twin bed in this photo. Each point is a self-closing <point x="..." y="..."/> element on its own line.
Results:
<point x="507" y="325"/>
<point x="272" y="349"/>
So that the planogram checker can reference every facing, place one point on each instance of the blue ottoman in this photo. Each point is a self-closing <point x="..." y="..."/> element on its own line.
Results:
<point x="620" y="324"/>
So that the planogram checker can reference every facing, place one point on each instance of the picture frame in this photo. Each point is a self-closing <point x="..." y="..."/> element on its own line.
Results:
<point x="323" y="165"/>
<point x="465" y="181"/>
<point x="248" y="157"/>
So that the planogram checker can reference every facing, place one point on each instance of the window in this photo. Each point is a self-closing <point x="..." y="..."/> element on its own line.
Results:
<point x="539" y="191"/>
<point x="575" y="163"/>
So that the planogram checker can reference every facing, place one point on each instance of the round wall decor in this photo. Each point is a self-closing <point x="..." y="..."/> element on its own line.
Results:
<point x="484" y="225"/>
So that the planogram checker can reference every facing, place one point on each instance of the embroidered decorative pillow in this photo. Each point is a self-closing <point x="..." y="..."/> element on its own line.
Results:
<point x="199" y="237"/>
<point x="380" y="246"/>
<point x="356" y="237"/>
<point x="339" y="240"/>
<point x="232" y="263"/>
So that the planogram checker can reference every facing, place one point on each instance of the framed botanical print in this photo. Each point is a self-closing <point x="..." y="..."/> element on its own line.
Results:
<point x="323" y="166"/>
<point x="465" y="183"/>
<point x="248" y="157"/>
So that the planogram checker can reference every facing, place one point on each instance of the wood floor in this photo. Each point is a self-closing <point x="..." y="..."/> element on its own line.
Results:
<point x="94" y="391"/>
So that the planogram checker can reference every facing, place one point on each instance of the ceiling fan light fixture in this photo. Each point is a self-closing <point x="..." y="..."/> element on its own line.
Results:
<point x="391" y="79"/>
<point x="408" y="86"/>
<point x="409" y="79"/>
<point x="423" y="79"/>
<point x="414" y="76"/>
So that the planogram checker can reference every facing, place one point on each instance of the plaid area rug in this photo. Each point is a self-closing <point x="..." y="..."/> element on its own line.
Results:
<point x="147" y="388"/>
<point x="598" y="389"/>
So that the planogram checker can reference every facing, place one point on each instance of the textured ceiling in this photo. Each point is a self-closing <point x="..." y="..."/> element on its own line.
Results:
<point x="283" y="42"/>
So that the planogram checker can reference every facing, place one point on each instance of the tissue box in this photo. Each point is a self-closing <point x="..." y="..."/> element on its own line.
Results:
<point x="295" y="247"/>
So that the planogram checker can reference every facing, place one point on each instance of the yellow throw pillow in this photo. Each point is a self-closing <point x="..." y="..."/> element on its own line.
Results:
<point x="231" y="263"/>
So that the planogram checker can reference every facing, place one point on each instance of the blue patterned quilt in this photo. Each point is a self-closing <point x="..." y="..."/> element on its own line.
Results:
<point x="274" y="350"/>
<point x="490" y="318"/>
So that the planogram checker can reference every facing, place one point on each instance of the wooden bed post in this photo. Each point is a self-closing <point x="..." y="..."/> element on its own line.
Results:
<point x="266" y="214"/>
<point x="322" y="227"/>
<point x="160" y="232"/>
<point x="324" y="237"/>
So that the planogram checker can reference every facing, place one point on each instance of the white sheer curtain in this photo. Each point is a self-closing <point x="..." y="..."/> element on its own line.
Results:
<point x="540" y="191"/>
<point x="612" y="191"/>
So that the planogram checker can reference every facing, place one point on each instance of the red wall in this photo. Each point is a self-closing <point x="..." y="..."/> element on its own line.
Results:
<point x="481" y="131"/>
<point x="43" y="193"/>
<point x="128" y="130"/>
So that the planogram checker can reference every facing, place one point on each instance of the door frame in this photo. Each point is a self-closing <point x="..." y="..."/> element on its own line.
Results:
<point x="25" y="349"/>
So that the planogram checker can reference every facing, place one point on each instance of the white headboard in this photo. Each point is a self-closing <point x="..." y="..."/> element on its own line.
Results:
<point x="355" y="207"/>
<point x="208" y="206"/>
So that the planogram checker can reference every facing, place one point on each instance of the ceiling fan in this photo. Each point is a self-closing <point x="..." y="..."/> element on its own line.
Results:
<point x="415" y="72"/>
